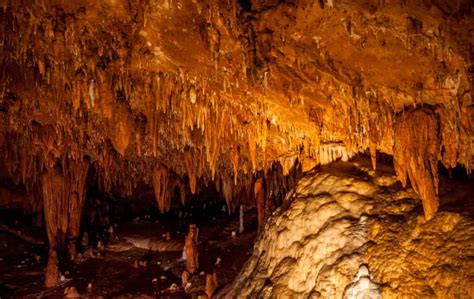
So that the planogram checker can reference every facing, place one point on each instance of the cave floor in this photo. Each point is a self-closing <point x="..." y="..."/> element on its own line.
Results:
<point x="114" y="274"/>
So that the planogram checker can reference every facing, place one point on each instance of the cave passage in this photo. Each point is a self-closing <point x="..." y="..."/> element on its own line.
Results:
<point x="237" y="148"/>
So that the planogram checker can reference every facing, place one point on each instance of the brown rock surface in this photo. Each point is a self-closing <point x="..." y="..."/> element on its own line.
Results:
<point x="187" y="94"/>
<point x="192" y="256"/>
<point x="416" y="152"/>
<point x="215" y="91"/>
<point x="52" y="270"/>
<point x="350" y="231"/>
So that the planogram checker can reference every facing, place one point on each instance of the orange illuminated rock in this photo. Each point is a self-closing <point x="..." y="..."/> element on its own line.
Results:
<point x="52" y="270"/>
<point x="259" y="194"/>
<point x="71" y="292"/>
<point x="184" y="278"/>
<point x="195" y="93"/>
<point x="192" y="263"/>
<point x="416" y="150"/>
<point x="211" y="284"/>
<point x="344" y="234"/>
<point x="162" y="189"/>
<point x="215" y="92"/>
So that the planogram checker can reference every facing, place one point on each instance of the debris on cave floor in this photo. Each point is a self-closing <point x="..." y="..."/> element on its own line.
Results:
<point x="134" y="272"/>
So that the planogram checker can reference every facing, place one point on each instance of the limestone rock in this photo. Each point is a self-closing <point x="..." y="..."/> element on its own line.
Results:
<point x="339" y="225"/>
<point x="52" y="269"/>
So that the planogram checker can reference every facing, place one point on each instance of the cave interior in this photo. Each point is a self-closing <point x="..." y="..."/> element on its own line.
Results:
<point x="237" y="148"/>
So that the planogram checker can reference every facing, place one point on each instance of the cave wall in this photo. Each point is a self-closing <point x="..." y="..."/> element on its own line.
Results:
<point x="217" y="92"/>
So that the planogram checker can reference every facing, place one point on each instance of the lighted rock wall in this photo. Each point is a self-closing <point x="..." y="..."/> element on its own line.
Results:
<point x="216" y="92"/>
<point x="350" y="232"/>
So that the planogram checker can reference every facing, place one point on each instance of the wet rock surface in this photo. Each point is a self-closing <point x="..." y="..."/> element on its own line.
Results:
<point x="348" y="231"/>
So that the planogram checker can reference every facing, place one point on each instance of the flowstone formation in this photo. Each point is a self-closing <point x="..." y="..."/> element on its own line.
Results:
<point x="350" y="232"/>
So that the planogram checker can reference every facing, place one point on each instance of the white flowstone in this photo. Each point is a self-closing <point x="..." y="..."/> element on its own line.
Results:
<point x="342" y="221"/>
<point x="363" y="287"/>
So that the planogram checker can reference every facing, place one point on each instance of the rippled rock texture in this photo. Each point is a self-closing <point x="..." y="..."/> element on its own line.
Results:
<point x="350" y="232"/>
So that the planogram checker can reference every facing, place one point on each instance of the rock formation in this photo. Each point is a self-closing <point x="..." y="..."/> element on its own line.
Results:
<point x="206" y="88"/>
<point x="211" y="284"/>
<point x="349" y="232"/>
<point x="183" y="95"/>
<point x="52" y="269"/>
<point x="192" y="262"/>
<point x="416" y="152"/>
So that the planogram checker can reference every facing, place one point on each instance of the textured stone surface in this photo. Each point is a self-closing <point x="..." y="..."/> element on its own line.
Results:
<point x="416" y="151"/>
<point x="352" y="232"/>
<point x="190" y="93"/>
<point x="186" y="94"/>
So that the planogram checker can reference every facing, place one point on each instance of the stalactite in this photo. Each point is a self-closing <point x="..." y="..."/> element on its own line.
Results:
<point x="121" y="129"/>
<point x="182" y="193"/>
<point x="56" y="192"/>
<point x="330" y="152"/>
<point x="161" y="187"/>
<point x="450" y="136"/>
<point x="259" y="195"/>
<point x="227" y="191"/>
<point x="234" y="156"/>
<point x="252" y="152"/>
<point x="416" y="153"/>
<point x="193" y="169"/>
<point x="77" y="173"/>
<point x="373" y="154"/>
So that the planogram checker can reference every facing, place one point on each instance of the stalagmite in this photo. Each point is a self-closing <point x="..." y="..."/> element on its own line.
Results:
<point x="416" y="153"/>
<point x="192" y="263"/>
<point x="184" y="278"/>
<point x="71" y="292"/>
<point x="211" y="284"/>
<point x="52" y="269"/>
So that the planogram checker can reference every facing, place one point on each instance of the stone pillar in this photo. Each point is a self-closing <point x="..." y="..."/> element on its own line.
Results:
<point x="63" y="191"/>
<point x="192" y="263"/>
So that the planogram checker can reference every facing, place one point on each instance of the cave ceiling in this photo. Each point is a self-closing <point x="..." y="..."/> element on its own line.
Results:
<point x="214" y="91"/>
